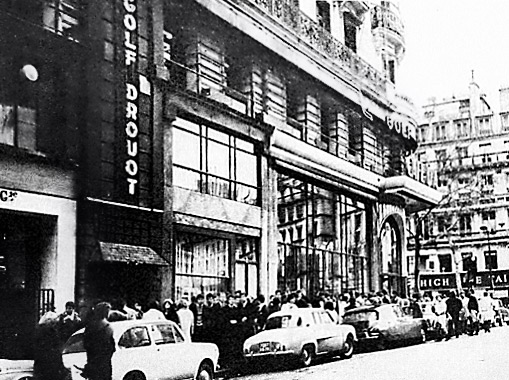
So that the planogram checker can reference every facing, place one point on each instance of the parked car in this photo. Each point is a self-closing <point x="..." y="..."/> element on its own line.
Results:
<point x="16" y="369"/>
<point x="148" y="350"/>
<point x="385" y="324"/>
<point x="501" y="313"/>
<point x="303" y="334"/>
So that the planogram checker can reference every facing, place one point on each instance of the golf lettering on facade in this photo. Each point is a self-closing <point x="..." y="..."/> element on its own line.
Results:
<point x="401" y="127"/>
<point x="132" y="95"/>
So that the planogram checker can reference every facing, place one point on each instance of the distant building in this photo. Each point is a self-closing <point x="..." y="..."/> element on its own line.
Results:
<point x="464" y="149"/>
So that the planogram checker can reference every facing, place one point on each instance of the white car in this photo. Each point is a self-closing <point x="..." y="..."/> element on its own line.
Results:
<point x="303" y="334"/>
<point x="148" y="350"/>
<point x="16" y="369"/>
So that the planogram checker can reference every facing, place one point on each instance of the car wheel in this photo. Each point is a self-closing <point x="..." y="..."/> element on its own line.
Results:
<point x="306" y="356"/>
<point x="135" y="376"/>
<point x="348" y="349"/>
<point x="205" y="372"/>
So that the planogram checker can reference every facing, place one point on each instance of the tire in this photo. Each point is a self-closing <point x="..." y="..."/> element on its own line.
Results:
<point x="349" y="348"/>
<point x="306" y="356"/>
<point x="205" y="372"/>
<point x="134" y="376"/>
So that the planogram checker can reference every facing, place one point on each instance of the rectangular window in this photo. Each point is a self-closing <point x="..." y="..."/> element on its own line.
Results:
<point x="490" y="259"/>
<point x="350" y="30"/>
<point x="465" y="223"/>
<point x="62" y="17"/>
<point x="488" y="216"/>
<point x="202" y="264"/>
<point x="213" y="162"/>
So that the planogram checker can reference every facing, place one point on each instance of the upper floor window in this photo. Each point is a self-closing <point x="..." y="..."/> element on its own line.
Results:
<point x="214" y="162"/>
<point x="488" y="216"/>
<point x="484" y="125"/>
<point x="323" y="14"/>
<point x="465" y="223"/>
<point x="490" y="259"/>
<point x="462" y="129"/>
<point x="440" y="133"/>
<point x="487" y="179"/>
<point x="504" y="120"/>
<point x="350" y="28"/>
<point x="62" y="17"/>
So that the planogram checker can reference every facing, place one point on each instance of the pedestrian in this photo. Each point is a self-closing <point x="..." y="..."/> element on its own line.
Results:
<point x="186" y="319"/>
<point x="439" y="308"/>
<point x="197" y="308"/>
<point x="473" y="312"/>
<point x="99" y="344"/>
<point x="453" y="309"/>
<point x="138" y="310"/>
<point x="154" y="312"/>
<point x="170" y="310"/>
<point x="48" y="363"/>
<point x="486" y="311"/>
<point x="68" y="322"/>
<point x="290" y="302"/>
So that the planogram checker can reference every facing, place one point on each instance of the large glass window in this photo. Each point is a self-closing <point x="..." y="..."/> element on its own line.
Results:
<point x="215" y="163"/>
<point x="323" y="245"/>
<point x="204" y="264"/>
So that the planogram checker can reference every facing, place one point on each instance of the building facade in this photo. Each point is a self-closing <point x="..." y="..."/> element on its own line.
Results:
<point x="463" y="145"/>
<point x="170" y="148"/>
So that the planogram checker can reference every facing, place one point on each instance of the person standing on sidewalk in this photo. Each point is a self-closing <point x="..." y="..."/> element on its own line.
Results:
<point x="473" y="311"/>
<point x="453" y="310"/>
<point x="99" y="344"/>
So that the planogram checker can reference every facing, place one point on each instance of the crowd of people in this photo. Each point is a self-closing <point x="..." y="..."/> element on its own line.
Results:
<point x="229" y="319"/>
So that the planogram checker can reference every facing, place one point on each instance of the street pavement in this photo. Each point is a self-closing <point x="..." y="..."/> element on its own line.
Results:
<point x="482" y="357"/>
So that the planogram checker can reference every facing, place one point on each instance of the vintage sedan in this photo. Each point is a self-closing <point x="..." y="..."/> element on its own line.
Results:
<point x="384" y="325"/>
<point x="302" y="334"/>
<point x="148" y="350"/>
<point x="16" y="369"/>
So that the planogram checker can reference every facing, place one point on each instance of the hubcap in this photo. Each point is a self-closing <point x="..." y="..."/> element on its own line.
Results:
<point x="204" y="375"/>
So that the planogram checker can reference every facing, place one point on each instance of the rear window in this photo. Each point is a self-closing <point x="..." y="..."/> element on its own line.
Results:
<point x="361" y="316"/>
<point x="278" y="322"/>
<point x="74" y="344"/>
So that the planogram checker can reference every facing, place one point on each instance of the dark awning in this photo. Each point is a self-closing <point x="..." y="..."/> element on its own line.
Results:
<point x="126" y="253"/>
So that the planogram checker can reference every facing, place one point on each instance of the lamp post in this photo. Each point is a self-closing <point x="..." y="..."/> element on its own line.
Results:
<point x="488" y="232"/>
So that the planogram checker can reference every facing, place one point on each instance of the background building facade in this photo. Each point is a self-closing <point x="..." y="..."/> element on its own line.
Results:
<point x="463" y="144"/>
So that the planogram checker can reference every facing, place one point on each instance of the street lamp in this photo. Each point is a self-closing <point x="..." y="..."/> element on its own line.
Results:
<point x="488" y="232"/>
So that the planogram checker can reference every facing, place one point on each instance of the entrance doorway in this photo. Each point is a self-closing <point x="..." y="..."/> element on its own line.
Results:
<point x="26" y="252"/>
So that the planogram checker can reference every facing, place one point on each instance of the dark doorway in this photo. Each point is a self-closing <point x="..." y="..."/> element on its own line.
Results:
<point x="24" y="244"/>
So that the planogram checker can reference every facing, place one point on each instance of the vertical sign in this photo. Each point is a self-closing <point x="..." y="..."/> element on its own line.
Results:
<point x="131" y="165"/>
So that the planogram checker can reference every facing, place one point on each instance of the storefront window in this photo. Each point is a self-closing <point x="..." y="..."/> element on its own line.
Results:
<point x="322" y="245"/>
<point x="203" y="264"/>
<point x="215" y="163"/>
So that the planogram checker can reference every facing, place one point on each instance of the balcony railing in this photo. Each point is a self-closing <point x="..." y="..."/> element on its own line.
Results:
<point x="320" y="39"/>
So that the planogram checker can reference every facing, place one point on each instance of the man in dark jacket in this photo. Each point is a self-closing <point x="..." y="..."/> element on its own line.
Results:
<point x="473" y="310"/>
<point x="453" y="310"/>
<point x="99" y="344"/>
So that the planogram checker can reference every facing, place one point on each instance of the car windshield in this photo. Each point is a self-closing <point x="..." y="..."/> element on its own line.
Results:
<point x="74" y="344"/>
<point x="281" y="322"/>
<point x="360" y="316"/>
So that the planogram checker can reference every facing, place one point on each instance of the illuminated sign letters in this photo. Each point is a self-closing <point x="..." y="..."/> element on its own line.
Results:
<point x="132" y="93"/>
<point x="401" y="127"/>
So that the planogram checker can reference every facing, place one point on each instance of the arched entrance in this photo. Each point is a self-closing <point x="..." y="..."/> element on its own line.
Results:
<point x="391" y="255"/>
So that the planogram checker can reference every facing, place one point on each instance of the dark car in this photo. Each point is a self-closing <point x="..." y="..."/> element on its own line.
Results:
<point x="384" y="325"/>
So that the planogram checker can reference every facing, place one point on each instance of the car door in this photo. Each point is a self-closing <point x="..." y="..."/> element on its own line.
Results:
<point x="177" y="359"/>
<point x="408" y="326"/>
<point x="324" y="332"/>
<point x="135" y="351"/>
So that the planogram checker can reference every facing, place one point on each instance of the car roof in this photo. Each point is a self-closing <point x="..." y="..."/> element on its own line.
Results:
<point x="365" y="308"/>
<point x="123" y="325"/>
<point x="296" y="311"/>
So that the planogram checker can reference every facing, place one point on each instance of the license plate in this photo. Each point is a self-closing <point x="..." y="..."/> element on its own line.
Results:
<point x="265" y="347"/>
